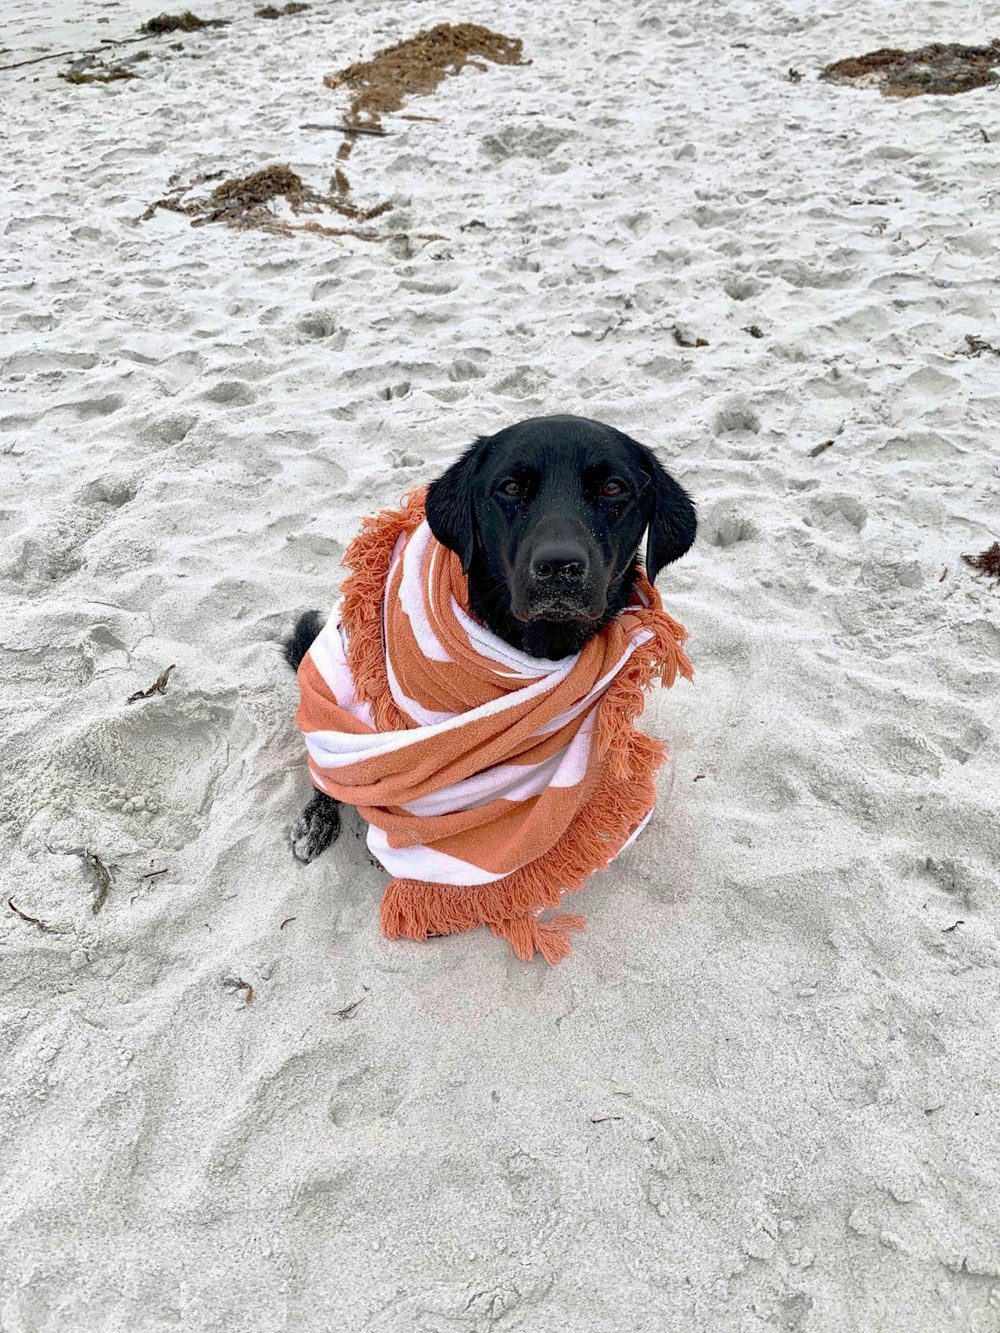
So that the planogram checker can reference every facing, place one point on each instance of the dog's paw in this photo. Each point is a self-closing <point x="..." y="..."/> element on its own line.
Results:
<point x="315" y="829"/>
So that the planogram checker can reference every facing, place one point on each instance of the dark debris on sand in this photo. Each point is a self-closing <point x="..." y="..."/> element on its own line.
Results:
<point x="240" y="194"/>
<point x="417" y="65"/>
<point x="377" y="86"/>
<point x="986" y="562"/>
<point x="246" y="202"/>
<point x="186" y="22"/>
<point x="103" y="874"/>
<point x="159" y="686"/>
<point x="410" y="69"/>
<point x="31" y="920"/>
<point x="977" y="346"/>
<point x="273" y="12"/>
<point x="88" y="68"/>
<point x="941" y="69"/>
<point x="102" y="74"/>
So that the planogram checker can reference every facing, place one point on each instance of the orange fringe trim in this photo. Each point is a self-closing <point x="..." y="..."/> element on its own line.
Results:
<point x="623" y="795"/>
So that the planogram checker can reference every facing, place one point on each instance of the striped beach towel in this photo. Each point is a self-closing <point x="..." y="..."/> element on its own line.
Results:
<point x="492" y="782"/>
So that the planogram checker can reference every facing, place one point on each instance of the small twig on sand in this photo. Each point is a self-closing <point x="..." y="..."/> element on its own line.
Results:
<point x="60" y="55"/>
<point x="237" y="983"/>
<point x="600" y="1119"/>
<point x="286" y="921"/>
<point x="353" y="129"/>
<point x="817" y="449"/>
<point x="158" y="686"/>
<point x="53" y="55"/>
<point x="120" y="41"/>
<point x="348" y="1010"/>
<point x="103" y="879"/>
<point x="94" y="862"/>
<point x="153" y="873"/>
<point x="31" y="920"/>
<point x="345" y="129"/>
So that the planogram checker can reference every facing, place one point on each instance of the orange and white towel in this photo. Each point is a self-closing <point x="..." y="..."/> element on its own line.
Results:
<point x="492" y="782"/>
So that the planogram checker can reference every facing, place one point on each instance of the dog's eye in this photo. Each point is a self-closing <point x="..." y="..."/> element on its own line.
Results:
<point x="510" y="488"/>
<point x="613" y="489"/>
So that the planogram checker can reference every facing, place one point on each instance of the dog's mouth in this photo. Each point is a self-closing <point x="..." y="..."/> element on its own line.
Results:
<point x="559" y="613"/>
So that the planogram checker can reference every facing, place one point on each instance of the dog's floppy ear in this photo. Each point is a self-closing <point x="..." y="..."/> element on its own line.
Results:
<point x="672" y="519"/>
<point x="449" y="505"/>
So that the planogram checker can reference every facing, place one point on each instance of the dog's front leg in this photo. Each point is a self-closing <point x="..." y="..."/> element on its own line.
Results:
<point x="316" y="827"/>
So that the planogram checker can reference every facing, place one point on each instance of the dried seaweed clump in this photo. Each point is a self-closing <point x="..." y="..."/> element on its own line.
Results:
<point x="977" y="346"/>
<point x="986" y="562"/>
<point x="96" y="73"/>
<point x="246" y="202"/>
<point x="159" y="686"/>
<point x="417" y="66"/>
<point x="186" y="22"/>
<point x="939" y="68"/>
<point x="273" y="12"/>
<point x="240" y="195"/>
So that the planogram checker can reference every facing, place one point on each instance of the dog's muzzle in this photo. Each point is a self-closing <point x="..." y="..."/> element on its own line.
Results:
<point x="558" y="584"/>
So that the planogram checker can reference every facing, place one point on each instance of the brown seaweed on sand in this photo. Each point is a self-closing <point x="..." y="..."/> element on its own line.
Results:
<point x="417" y="65"/>
<point x="273" y="12"/>
<point x="379" y="85"/>
<point x="31" y="920"/>
<point x="940" y="68"/>
<point x="977" y="346"/>
<point x="986" y="562"/>
<point x="159" y="686"/>
<point x="103" y="879"/>
<point x="97" y="74"/>
<point x="237" y="983"/>
<point x="185" y="22"/>
<point x="410" y="69"/>
<point x="247" y="202"/>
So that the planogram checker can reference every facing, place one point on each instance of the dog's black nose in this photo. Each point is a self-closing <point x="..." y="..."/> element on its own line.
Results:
<point x="566" y="559"/>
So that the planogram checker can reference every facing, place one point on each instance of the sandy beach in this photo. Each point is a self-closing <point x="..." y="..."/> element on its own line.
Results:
<point x="763" y="1093"/>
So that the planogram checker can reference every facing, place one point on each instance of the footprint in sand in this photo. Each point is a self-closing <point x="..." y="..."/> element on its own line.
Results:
<point x="837" y="514"/>
<point x="89" y="409"/>
<point x="464" y="369"/>
<point x="522" y="382"/>
<point x="537" y="142"/>
<point x="364" y="1096"/>
<point x="736" y="416"/>
<point x="728" y="527"/>
<point x="173" y="746"/>
<point x="530" y="1185"/>
<point x="231" y="393"/>
<point x="320" y="326"/>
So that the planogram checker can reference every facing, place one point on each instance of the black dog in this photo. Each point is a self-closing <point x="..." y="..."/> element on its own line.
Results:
<point x="547" y="517"/>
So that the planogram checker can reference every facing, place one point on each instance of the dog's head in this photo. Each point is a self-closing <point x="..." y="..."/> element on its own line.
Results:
<point x="547" y="517"/>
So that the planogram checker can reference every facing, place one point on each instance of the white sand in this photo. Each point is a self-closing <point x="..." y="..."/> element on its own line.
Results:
<point x="763" y="1093"/>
